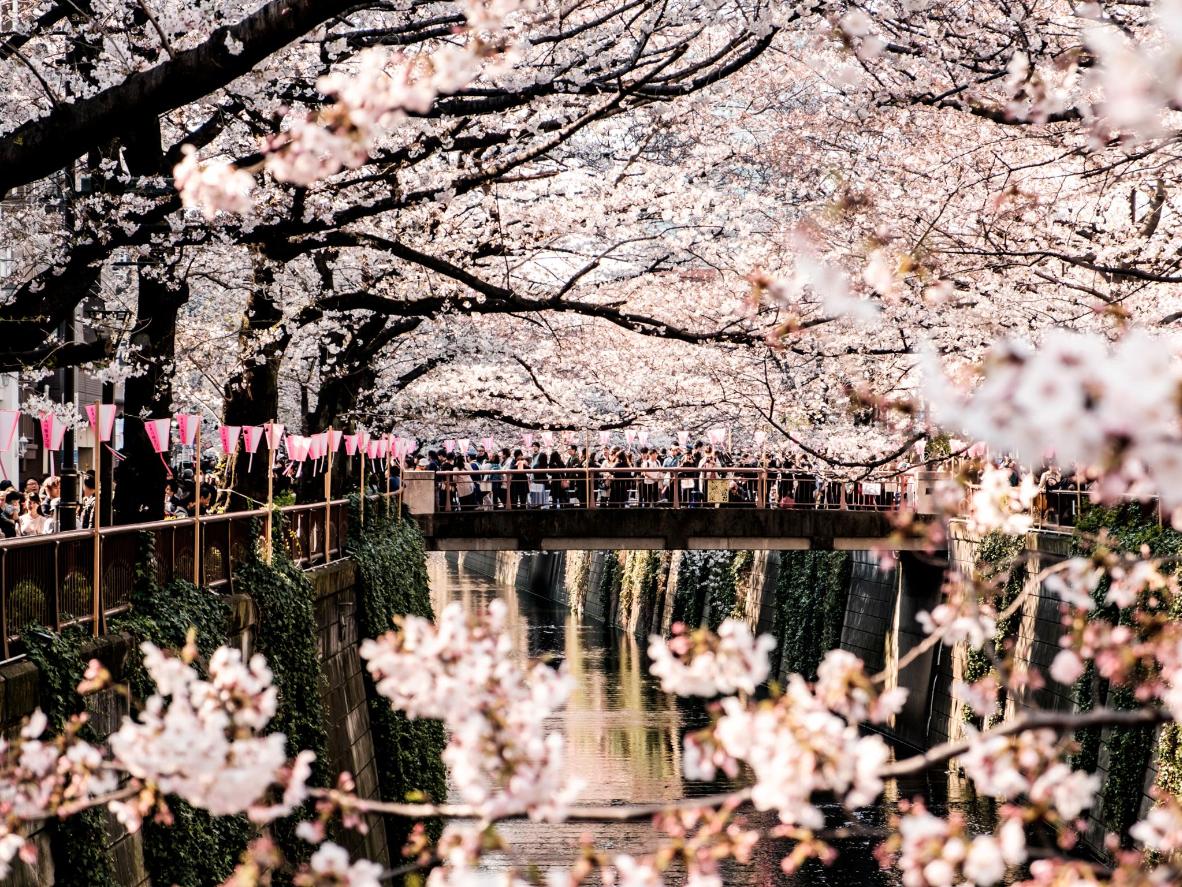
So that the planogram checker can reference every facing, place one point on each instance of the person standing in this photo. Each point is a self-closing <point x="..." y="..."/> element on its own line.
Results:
<point x="86" y="515"/>
<point x="519" y="483"/>
<point x="10" y="514"/>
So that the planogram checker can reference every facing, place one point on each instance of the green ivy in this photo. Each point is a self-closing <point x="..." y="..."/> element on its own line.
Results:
<point x="997" y="555"/>
<point x="78" y="844"/>
<point x="577" y="579"/>
<point x="707" y="587"/>
<point x="611" y="579"/>
<point x="392" y="581"/>
<point x="1127" y="528"/>
<point x="938" y="447"/>
<point x="640" y="581"/>
<point x="198" y="848"/>
<point x="812" y="588"/>
<point x="286" y="636"/>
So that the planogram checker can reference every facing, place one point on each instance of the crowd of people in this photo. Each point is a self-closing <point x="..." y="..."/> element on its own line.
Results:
<point x="33" y="509"/>
<point x="558" y="476"/>
<point x="644" y="476"/>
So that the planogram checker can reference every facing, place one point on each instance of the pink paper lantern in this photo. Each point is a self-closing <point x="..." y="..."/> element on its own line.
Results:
<point x="449" y="446"/>
<point x="228" y="436"/>
<point x="251" y="435"/>
<point x="103" y="424"/>
<point x="642" y="437"/>
<point x="159" y="433"/>
<point x="488" y="443"/>
<point x="334" y="439"/>
<point x="605" y="438"/>
<point x="9" y="422"/>
<point x="298" y="447"/>
<point x="350" y="444"/>
<point x="547" y="439"/>
<point x="683" y="439"/>
<point x="186" y="426"/>
<point x="274" y="435"/>
<point x="462" y="446"/>
<point x="529" y="440"/>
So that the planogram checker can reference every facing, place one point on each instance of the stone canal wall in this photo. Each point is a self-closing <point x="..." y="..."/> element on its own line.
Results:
<point x="346" y="729"/>
<point x="814" y="601"/>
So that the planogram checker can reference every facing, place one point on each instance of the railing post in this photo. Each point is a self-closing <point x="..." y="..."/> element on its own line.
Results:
<point x="387" y="484"/>
<point x="328" y="500"/>
<point x="55" y="608"/>
<point x="267" y="544"/>
<point x="4" y="600"/>
<point x="197" y="550"/>
<point x="95" y="521"/>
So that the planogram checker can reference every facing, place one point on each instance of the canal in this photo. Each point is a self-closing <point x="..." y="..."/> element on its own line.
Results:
<point x="623" y="740"/>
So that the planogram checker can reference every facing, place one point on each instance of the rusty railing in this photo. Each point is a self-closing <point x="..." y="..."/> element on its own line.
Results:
<point x="51" y="580"/>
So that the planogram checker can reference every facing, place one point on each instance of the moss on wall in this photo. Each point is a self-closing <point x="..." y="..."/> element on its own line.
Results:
<point x="812" y="588"/>
<point x="197" y="849"/>
<point x="1001" y="558"/>
<point x="1127" y="528"/>
<point x="78" y="844"/>
<point x="392" y="581"/>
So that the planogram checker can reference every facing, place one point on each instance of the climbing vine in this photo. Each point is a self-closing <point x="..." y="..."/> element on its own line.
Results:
<point x="197" y="848"/>
<point x="577" y="578"/>
<point x="392" y="582"/>
<point x="1127" y="528"/>
<point x="641" y="577"/>
<point x="707" y="587"/>
<point x="811" y="592"/>
<point x="611" y="578"/>
<point x="78" y="844"/>
<point x="286" y="635"/>
<point x="998" y="556"/>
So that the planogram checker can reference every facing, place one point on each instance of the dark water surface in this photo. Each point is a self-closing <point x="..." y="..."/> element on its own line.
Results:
<point x="623" y="738"/>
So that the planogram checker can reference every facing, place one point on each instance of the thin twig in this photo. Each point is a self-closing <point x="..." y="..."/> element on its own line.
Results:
<point x="1062" y="721"/>
<point x="155" y="24"/>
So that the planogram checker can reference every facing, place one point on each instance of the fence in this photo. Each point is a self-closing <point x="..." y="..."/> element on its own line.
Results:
<point x="51" y="580"/>
<point x="596" y="487"/>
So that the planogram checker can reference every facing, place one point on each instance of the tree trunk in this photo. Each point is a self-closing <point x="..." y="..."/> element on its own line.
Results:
<point x="252" y="396"/>
<point x="139" y="489"/>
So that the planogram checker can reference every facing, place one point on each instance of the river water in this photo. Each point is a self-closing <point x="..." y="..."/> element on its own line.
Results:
<point x="623" y="739"/>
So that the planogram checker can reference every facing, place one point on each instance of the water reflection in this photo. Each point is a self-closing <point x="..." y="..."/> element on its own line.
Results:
<point x="624" y="740"/>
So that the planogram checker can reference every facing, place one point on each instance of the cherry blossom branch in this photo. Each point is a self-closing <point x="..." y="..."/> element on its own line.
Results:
<point x="1059" y="721"/>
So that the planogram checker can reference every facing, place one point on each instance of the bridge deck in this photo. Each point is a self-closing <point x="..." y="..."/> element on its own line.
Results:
<point x="546" y="529"/>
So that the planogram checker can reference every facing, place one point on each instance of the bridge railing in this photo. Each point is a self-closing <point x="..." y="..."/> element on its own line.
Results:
<point x="636" y="487"/>
<point x="51" y="579"/>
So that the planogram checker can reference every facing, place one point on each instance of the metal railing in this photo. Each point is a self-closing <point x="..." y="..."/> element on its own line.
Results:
<point x="638" y="487"/>
<point x="51" y="579"/>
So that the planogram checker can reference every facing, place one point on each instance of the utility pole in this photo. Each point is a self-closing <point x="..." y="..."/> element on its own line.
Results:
<point x="104" y="464"/>
<point x="67" y="509"/>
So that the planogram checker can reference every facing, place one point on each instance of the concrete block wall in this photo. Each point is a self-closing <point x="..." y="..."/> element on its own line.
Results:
<point x="20" y="694"/>
<point x="349" y="740"/>
<point x="870" y="610"/>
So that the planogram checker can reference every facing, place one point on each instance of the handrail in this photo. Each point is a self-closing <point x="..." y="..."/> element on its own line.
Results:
<point x="594" y="486"/>
<point x="49" y="578"/>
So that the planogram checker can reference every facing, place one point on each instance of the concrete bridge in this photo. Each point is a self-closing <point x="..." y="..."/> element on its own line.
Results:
<point x="744" y="508"/>
<point x="683" y="529"/>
